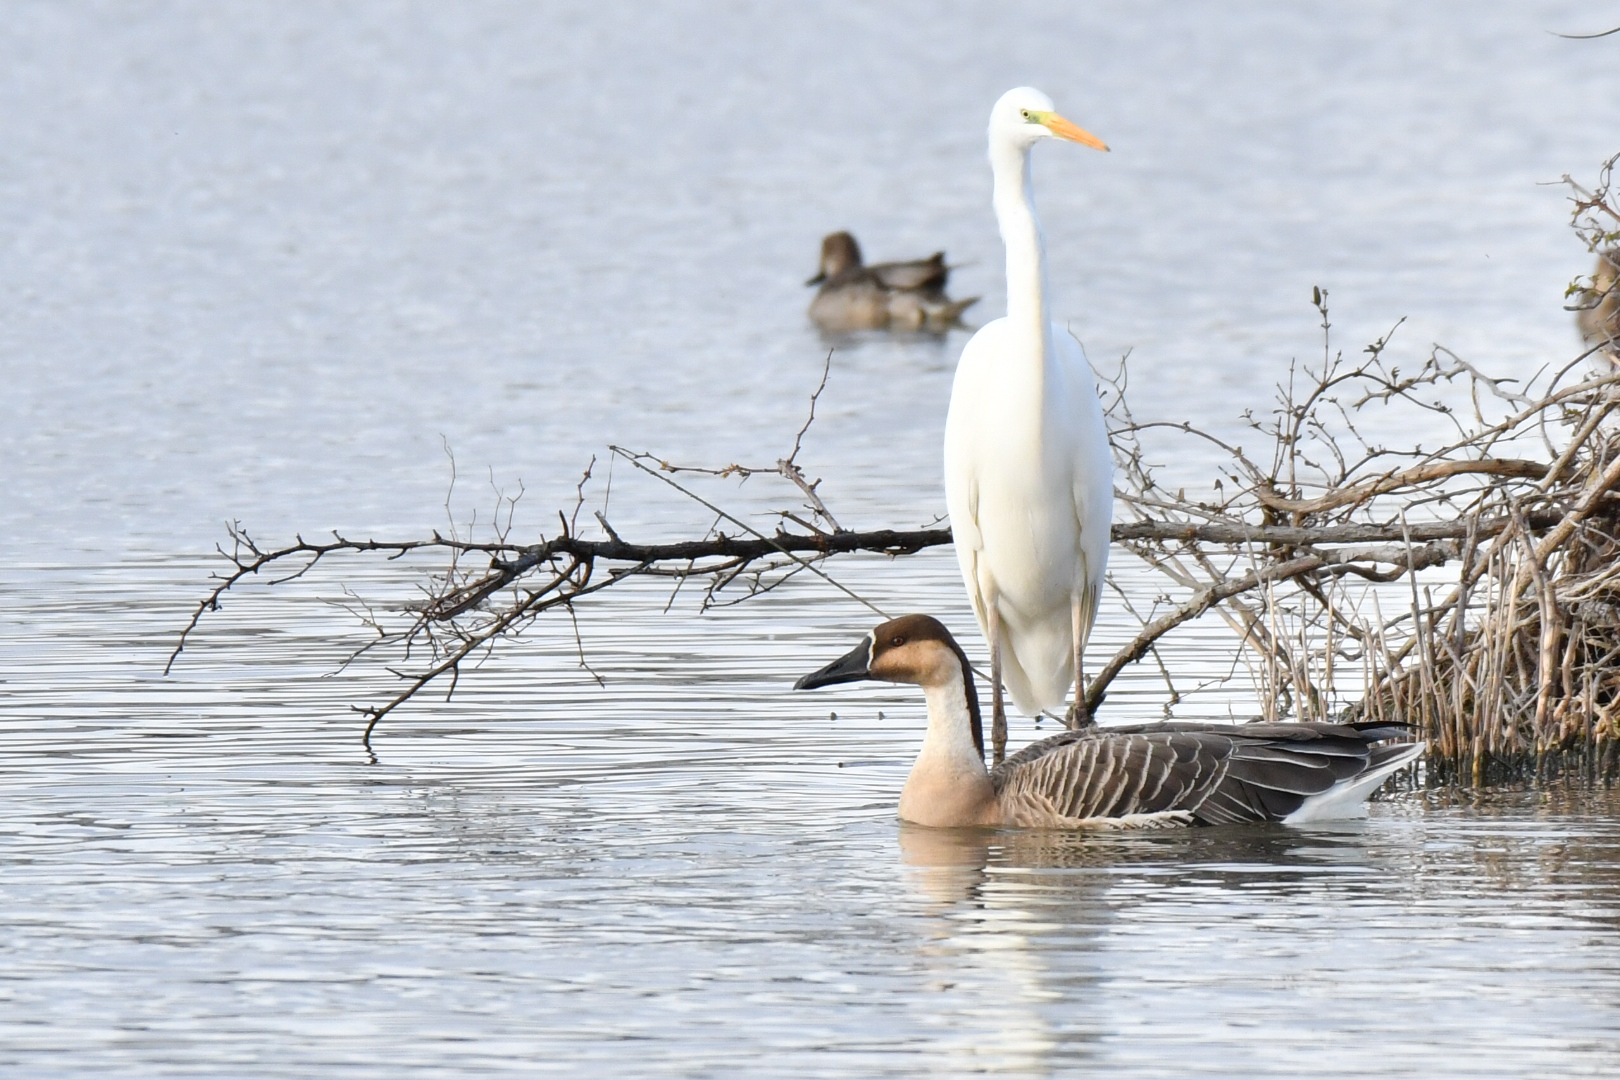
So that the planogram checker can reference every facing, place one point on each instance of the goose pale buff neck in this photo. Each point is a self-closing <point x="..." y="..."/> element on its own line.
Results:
<point x="948" y="784"/>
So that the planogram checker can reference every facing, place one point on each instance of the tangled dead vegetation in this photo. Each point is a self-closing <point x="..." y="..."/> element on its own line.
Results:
<point x="1487" y="615"/>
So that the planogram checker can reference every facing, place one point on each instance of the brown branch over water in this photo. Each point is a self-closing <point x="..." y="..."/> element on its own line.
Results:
<point x="1405" y="478"/>
<point x="1347" y="562"/>
<point x="565" y="566"/>
<point x="509" y="562"/>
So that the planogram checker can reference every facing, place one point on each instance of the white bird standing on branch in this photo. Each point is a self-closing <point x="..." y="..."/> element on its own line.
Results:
<point x="1028" y="476"/>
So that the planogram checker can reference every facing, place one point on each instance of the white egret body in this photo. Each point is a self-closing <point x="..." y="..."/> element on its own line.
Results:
<point x="1028" y="477"/>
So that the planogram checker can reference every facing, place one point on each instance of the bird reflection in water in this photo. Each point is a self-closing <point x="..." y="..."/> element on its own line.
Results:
<point x="1023" y="935"/>
<point x="978" y="957"/>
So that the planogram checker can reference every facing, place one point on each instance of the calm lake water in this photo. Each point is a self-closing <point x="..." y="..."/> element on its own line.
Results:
<point x="265" y="261"/>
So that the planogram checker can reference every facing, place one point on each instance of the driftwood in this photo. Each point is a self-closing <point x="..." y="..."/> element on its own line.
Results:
<point x="1230" y="555"/>
<point x="1495" y="553"/>
<point x="559" y="571"/>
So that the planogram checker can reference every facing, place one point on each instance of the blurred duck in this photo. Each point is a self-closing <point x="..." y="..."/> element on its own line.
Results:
<point x="1597" y="310"/>
<point x="1139" y="776"/>
<point x="896" y="295"/>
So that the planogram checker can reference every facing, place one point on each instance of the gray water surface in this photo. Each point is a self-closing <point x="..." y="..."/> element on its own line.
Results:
<point x="264" y="262"/>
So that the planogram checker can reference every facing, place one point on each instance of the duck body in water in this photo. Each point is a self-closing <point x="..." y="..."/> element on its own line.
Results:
<point x="1137" y="776"/>
<point x="896" y="295"/>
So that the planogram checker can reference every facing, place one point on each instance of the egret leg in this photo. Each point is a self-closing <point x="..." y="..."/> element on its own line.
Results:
<point x="998" y="709"/>
<point x="1078" y="717"/>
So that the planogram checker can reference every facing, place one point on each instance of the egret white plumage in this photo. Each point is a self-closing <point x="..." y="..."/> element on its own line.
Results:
<point x="1028" y="476"/>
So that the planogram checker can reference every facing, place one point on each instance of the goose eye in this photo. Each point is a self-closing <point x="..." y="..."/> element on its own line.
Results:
<point x="897" y="642"/>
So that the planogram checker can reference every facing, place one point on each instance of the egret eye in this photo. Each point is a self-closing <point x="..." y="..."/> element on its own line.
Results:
<point x="1025" y="114"/>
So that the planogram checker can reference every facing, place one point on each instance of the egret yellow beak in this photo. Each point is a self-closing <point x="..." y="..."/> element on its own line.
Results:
<point x="1064" y="129"/>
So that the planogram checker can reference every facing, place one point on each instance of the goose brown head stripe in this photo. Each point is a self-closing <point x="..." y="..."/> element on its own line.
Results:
<point x="896" y="634"/>
<point x="903" y="650"/>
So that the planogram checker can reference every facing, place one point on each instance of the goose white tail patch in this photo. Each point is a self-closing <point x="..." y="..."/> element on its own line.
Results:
<point x="1349" y="799"/>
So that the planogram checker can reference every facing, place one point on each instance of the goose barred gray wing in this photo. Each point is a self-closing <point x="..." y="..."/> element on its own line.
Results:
<point x="1217" y="774"/>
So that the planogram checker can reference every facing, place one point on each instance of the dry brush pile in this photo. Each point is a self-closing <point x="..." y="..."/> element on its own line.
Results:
<point x="1471" y="588"/>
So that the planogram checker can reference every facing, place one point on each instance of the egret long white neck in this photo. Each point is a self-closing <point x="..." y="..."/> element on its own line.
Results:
<point x="1021" y="233"/>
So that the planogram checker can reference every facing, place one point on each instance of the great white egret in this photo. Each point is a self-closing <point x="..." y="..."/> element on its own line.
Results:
<point x="901" y="295"/>
<point x="1140" y="776"/>
<point x="1028" y="478"/>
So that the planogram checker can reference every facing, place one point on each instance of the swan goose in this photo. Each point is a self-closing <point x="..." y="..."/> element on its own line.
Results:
<point x="1138" y="776"/>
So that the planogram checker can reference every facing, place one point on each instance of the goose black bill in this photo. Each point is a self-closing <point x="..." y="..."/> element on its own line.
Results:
<point x="851" y="667"/>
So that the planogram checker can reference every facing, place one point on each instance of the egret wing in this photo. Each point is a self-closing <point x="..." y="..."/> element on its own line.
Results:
<point x="1093" y="485"/>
